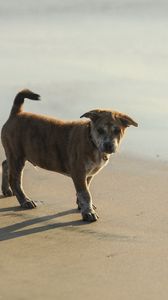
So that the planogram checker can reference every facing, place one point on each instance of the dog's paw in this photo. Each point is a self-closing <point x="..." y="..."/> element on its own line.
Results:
<point x="28" y="204"/>
<point x="7" y="193"/>
<point x="90" y="216"/>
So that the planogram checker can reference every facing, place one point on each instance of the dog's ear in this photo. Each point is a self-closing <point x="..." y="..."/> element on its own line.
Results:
<point x="127" y="121"/>
<point x="93" y="115"/>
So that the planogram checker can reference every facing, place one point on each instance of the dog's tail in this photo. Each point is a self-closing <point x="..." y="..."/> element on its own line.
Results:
<point x="19" y="100"/>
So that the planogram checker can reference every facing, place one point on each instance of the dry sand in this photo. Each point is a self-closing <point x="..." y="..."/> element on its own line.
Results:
<point x="49" y="253"/>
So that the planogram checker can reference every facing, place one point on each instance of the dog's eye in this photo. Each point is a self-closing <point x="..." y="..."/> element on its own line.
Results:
<point x="101" y="131"/>
<point x="117" y="131"/>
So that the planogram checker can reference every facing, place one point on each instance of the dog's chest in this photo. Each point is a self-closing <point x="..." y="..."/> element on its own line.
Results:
<point x="92" y="167"/>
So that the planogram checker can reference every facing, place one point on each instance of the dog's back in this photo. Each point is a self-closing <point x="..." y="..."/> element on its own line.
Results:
<point x="42" y="140"/>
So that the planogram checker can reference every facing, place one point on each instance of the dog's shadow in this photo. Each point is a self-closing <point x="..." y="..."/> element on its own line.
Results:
<point x="20" y="229"/>
<point x="37" y="225"/>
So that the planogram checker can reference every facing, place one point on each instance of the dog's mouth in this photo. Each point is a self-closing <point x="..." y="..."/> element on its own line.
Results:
<point x="112" y="151"/>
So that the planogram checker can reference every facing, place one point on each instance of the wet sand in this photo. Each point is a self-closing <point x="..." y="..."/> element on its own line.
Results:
<point x="49" y="253"/>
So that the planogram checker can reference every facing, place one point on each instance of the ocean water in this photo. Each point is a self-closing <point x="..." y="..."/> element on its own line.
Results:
<point x="85" y="54"/>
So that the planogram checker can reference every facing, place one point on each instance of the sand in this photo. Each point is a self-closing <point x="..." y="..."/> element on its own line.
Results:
<point x="49" y="253"/>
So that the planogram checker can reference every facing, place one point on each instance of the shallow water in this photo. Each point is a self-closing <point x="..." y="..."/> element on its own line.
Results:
<point x="81" y="55"/>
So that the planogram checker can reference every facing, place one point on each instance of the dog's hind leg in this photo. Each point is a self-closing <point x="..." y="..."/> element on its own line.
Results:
<point x="6" y="190"/>
<point x="15" y="180"/>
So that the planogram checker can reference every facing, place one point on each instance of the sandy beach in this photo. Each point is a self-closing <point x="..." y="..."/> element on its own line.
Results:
<point x="49" y="253"/>
<point x="82" y="55"/>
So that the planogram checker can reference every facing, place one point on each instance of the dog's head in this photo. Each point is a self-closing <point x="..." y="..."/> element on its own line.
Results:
<point x="107" y="128"/>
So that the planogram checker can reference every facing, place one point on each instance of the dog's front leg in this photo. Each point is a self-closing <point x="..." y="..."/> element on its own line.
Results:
<point x="88" y="185"/>
<point x="84" y="199"/>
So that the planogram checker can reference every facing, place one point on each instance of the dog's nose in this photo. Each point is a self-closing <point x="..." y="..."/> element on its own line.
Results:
<point x="109" y="147"/>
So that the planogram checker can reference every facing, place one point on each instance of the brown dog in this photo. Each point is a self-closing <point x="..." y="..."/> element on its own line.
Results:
<point x="77" y="149"/>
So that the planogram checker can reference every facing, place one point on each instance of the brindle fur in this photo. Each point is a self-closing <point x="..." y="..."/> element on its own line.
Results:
<point x="77" y="149"/>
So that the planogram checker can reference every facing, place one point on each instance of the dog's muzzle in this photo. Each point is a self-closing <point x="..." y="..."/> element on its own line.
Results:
<point x="109" y="147"/>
